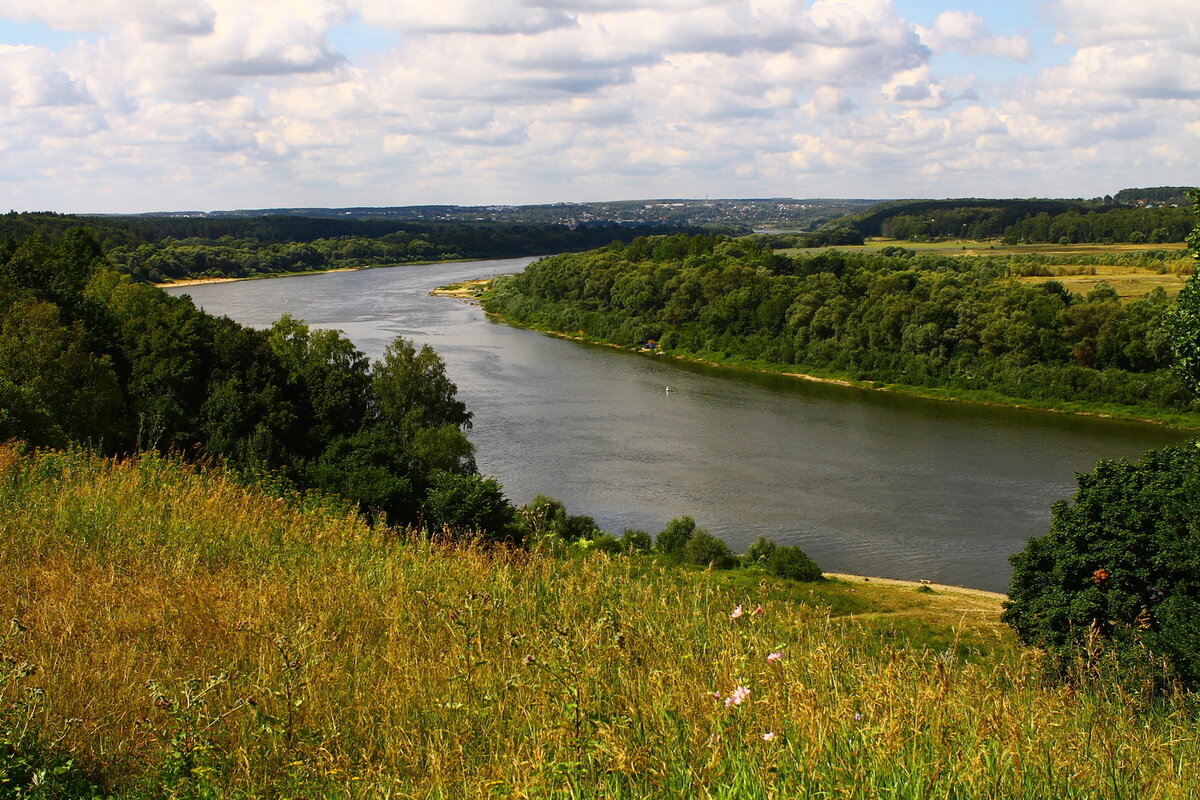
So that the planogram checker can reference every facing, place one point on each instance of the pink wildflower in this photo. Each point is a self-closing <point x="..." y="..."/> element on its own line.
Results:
<point x="740" y="695"/>
<point x="769" y="736"/>
<point x="737" y="612"/>
<point x="757" y="611"/>
<point x="771" y="659"/>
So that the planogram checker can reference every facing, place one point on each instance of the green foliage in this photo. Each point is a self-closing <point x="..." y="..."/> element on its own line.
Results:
<point x="1121" y="561"/>
<point x="792" y="563"/>
<point x="164" y="248"/>
<point x="922" y="320"/>
<point x="673" y="538"/>
<point x="87" y="355"/>
<point x="707" y="550"/>
<point x="607" y="543"/>
<point x="637" y="541"/>
<point x="465" y="502"/>
<point x="1185" y="320"/>
<point x="1060" y="221"/>
<point x="760" y="550"/>
<point x="577" y="526"/>
<point x="542" y="516"/>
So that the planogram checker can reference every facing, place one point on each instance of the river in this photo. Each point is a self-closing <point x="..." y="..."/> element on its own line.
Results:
<point x="866" y="482"/>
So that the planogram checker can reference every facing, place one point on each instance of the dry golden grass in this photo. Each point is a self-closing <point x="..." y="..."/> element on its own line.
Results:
<point x="1128" y="282"/>
<point x="195" y="638"/>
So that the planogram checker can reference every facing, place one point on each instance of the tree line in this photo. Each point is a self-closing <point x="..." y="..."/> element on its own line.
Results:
<point x="1024" y="221"/>
<point x="89" y="356"/>
<point x="159" y="248"/>
<point x="921" y="320"/>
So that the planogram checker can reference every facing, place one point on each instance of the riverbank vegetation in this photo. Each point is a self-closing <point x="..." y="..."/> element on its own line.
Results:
<point x="176" y="634"/>
<point x="968" y="327"/>
<point x="157" y="249"/>
<point x="88" y="356"/>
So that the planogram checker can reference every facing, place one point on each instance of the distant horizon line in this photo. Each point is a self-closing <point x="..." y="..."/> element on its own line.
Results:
<point x="566" y="203"/>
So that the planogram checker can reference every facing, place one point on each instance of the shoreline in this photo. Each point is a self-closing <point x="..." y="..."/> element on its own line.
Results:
<point x="202" y="281"/>
<point x="917" y="585"/>
<point x="925" y="393"/>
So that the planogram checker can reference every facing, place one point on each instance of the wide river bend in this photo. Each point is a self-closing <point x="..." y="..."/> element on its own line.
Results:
<point x="866" y="482"/>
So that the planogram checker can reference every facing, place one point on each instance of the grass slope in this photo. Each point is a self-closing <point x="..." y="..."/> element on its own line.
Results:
<point x="177" y="635"/>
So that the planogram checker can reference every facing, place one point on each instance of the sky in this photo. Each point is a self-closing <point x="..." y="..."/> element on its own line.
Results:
<point x="156" y="105"/>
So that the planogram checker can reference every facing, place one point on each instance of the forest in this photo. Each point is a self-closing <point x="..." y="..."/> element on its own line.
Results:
<point x="1026" y="221"/>
<point x="894" y="317"/>
<point x="90" y="357"/>
<point x="158" y="248"/>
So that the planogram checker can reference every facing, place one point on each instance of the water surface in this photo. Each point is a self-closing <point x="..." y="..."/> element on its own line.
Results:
<point x="866" y="482"/>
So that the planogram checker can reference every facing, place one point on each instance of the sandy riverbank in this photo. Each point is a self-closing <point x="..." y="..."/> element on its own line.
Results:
<point x="937" y="587"/>
<point x="195" y="282"/>
<point x="467" y="291"/>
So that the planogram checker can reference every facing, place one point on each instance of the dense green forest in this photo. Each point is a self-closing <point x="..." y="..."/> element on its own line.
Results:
<point x="1024" y="221"/>
<point x="156" y="248"/>
<point x="920" y="320"/>
<point x="89" y="356"/>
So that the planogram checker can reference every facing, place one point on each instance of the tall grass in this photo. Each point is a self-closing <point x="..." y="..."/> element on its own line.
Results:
<point x="193" y="638"/>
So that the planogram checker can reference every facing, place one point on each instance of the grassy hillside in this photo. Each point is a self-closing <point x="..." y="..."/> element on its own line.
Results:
<point x="176" y="635"/>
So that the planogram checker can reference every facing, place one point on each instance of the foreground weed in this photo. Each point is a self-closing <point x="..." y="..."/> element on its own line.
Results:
<point x="189" y="729"/>
<point x="32" y="765"/>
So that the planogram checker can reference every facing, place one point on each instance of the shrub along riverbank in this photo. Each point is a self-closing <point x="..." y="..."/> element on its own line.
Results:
<point x="177" y="635"/>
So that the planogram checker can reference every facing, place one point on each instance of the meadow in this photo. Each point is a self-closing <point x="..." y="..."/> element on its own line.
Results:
<point x="176" y="634"/>
<point x="1129" y="280"/>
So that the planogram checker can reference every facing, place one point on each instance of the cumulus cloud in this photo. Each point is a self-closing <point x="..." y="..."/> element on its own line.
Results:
<point x="150" y="18"/>
<point x="31" y="76"/>
<point x="496" y="17"/>
<point x="219" y="103"/>
<point x="1084" y="22"/>
<point x="968" y="32"/>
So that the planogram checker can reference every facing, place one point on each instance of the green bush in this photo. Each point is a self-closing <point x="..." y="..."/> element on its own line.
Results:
<point x="470" y="503"/>
<point x="607" y="543"/>
<point x="637" y="541"/>
<point x="760" y="551"/>
<point x="541" y="516"/>
<point x="576" y="527"/>
<point x="1122" y="562"/>
<point x="792" y="563"/>
<point x="677" y="534"/>
<point x="707" y="550"/>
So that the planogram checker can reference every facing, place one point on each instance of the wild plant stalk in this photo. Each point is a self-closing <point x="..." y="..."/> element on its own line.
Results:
<point x="371" y="663"/>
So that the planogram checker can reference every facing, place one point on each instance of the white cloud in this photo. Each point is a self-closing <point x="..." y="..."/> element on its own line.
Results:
<point x="186" y="103"/>
<point x="968" y="32"/>
<point x="31" y="76"/>
<point x="149" y="18"/>
<point x="496" y="17"/>
<point x="1085" y="22"/>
